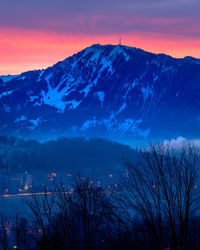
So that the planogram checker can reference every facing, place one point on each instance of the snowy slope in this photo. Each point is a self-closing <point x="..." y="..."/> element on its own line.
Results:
<point x="107" y="91"/>
<point x="7" y="78"/>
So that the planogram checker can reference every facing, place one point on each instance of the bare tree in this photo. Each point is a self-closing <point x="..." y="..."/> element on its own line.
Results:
<point x="5" y="232"/>
<point x="95" y="209"/>
<point x="162" y="190"/>
<point x="22" y="239"/>
<point x="43" y="210"/>
<point x="80" y="218"/>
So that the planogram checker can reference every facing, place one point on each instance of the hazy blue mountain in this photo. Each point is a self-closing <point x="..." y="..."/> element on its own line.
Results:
<point x="115" y="92"/>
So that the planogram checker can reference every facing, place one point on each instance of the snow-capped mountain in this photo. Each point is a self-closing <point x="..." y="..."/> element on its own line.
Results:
<point x="117" y="92"/>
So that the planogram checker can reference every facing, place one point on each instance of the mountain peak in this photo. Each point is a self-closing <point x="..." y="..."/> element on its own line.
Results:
<point x="192" y="59"/>
<point x="115" y="90"/>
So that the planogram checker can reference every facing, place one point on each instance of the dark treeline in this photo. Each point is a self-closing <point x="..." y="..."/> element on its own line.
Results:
<point x="61" y="154"/>
<point x="154" y="206"/>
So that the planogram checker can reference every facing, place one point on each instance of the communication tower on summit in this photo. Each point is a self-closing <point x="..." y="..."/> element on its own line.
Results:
<point x="120" y="40"/>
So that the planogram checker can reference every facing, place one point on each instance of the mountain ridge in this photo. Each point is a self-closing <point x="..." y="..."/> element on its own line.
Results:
<point x="97" y="44"/>
<point x="111" y="91"/>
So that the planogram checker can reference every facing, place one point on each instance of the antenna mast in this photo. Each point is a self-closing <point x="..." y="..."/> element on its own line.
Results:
<point x="120" y="40"/>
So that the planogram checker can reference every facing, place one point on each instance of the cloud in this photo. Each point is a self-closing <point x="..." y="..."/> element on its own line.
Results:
<point x="180" y="17"/>
<point x="36" y="34"/>
<point x="181" y="141"/>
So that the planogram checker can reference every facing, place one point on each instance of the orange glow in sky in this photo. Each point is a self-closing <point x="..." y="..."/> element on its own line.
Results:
<point x="36" y="34"/>
<point x="22" y="50"/>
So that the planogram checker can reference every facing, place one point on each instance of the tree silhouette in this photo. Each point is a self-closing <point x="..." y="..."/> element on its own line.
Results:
<point x="162" y="190"/>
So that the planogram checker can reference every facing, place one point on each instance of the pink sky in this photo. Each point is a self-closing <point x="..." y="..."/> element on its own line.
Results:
<point x="36" y="35"/>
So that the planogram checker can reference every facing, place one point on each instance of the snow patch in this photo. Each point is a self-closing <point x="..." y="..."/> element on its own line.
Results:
<point x="155" y="78"/>
<point x="8" y="78"/>
<point x="35" y="123"/>
<point x="20" y="119"/>
<point x="120" y="50"/>
<point x="169" y="68"/>
<point x="54" y="98"/>
<point x="106" y="64"/>
<point x="48" y="77"/>
<point x="90" y="124"/>
<point x="96" y="49"/>
<point x="101" y="96"/>
<point x="32" y="98"/>
<point x="73" y="104"/>
<point x="143" y="133"/>
<point x="6" y="93"/>
<point x="146" y="93"/>
<point x="41" y="73"/>
<point x="21" y="78"/>
<point x="121" y="108"/>
<point x="128" y="126"/>
<point x="86" y="90"/>
<point x="6" y="108"/>
<point x="129" y="87"/>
